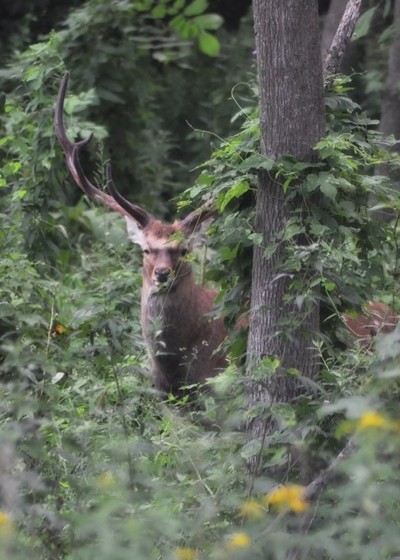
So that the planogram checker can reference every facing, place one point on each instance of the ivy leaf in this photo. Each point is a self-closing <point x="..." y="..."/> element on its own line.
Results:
<point x="256" y="161"/>
<point x="328" y="188"/>
<point x="234" y="192"/>
<point x="229" y="253"/>
<point x="250" y="449"/>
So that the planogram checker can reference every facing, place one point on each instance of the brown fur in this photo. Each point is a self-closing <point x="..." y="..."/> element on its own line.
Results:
<point x="377" y="318"/>
<point x="181" y="334"/>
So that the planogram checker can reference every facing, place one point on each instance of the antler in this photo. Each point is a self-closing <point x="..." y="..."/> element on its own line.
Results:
<point x="200" y="215"/>
<point x="72" y="149"/>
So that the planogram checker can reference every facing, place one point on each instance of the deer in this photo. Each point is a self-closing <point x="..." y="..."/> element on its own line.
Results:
<point x="376" y="318"/>
<point x="182" y="335"/>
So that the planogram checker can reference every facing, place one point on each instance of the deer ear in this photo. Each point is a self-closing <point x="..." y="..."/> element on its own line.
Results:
<point x="197" y="233"/>
<point x="135" y="231"/>
<point x="196" y="224"/>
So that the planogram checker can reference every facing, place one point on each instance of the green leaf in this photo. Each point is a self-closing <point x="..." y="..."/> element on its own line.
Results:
<point x="109" y="96"/>
<point x="256" y="161"/>
<point x="251" y="449"/>
<point x="205" y="179"/>
<point x="11" y="168"/>
<point x="363" y="24"/>
<point x="208" y="21"/>
<point x="208" y="44"/>
<point x="229" y="253"/>
<point x="196" y="8"/>
<point x="235" y="192"/>
<point x="353" y="406"/>
<point x="158" y="11"/>
<point x="327" y="186"/>
<point x="286" y="412"/>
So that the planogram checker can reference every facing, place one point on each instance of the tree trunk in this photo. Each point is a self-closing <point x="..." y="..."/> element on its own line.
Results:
<point x="390" y="114"/>
<point x="334" y="59"/>
<point x="292" y="121"/>
<point x="331" y="23"/>
<point x="390" y="119"/>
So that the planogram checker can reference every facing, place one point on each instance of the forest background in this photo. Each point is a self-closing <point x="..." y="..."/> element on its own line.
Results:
<point x="92" y="462"/>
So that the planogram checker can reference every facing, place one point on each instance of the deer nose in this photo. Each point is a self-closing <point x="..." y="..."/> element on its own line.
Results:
<point x="162" y="274"/>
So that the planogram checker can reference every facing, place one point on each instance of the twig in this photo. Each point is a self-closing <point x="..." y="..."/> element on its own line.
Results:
<point x="319" y="483"/>
<point x="315" y="488"/>
<point x="51" y="323"/>
<point x="342" y="37"/>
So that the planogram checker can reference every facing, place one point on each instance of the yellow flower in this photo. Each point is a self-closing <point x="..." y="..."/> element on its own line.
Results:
<point x="372" y="419"/>
<point x="107" y="480"/>
<point x="251" y="509"/>
<point x="59" y="329"/>
<point x="239" y="540"/>
<point x="299" y="505"/>
<point x="186" y="553"/>
<point x="6" y="523"/>
<point x="288" y="497"/>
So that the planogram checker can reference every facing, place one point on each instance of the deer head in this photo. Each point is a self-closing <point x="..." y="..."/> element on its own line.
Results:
<point x="163" y="245"/>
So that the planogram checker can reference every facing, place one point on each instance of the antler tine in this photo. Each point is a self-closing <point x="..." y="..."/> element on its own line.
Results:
<point x="205" y="212"/>
<point x="72" y="150"/>
<point x="141" y="216"/>
<point x="62" y="137"/>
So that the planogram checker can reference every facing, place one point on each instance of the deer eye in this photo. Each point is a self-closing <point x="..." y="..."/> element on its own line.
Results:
<point x="146" y="252"/>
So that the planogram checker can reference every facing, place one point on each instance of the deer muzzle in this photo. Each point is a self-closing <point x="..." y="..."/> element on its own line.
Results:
<point x="162" y="275"/>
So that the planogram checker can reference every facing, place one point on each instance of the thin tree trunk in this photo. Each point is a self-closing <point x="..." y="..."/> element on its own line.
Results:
<point x="390" y="119"/>
<point x="292" y="121"/>
<point x="390" y="114"/>
<point x="331" y="23"/>
<point x="341" y="39"/>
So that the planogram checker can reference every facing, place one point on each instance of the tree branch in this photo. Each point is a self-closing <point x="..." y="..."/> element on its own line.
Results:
<point x="342" y="37"/>
<point x="319" y="483"/>
<point x="315" y="487"/>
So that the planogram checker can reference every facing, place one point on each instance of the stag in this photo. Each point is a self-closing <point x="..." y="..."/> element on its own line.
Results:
<point x="376" y="318"/>
<point x="182" y="335"/>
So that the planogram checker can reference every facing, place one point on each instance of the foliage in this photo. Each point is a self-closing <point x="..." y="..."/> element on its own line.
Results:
<point x="339" y="247"/>
<point x="136" y="73"/>
<point x="92" y="463"/>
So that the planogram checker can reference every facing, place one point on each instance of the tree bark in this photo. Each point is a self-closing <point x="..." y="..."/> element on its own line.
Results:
<point x="390" y="119"/>
<point x="341" y="39"/>
<point x="331" y="23"/>
<point x="292" y="121"/>
<point x="390" y="114"/>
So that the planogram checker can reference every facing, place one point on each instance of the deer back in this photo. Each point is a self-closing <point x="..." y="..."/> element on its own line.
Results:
<point x="377" y="317"/>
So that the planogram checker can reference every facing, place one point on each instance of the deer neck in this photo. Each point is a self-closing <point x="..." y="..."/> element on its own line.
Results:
<point x="170" y="302"/>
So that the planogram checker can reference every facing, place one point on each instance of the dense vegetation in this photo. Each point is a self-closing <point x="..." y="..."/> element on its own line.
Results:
<point x="92" y="462"/>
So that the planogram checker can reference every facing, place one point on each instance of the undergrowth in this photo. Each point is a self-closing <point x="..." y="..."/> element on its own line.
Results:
<point x="94" y="464"/>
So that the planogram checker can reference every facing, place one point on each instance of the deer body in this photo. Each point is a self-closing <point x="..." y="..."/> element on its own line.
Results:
<point x="181" y="334"/>
<point x="182" y="337"/>
<point x="377" y="318"/>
